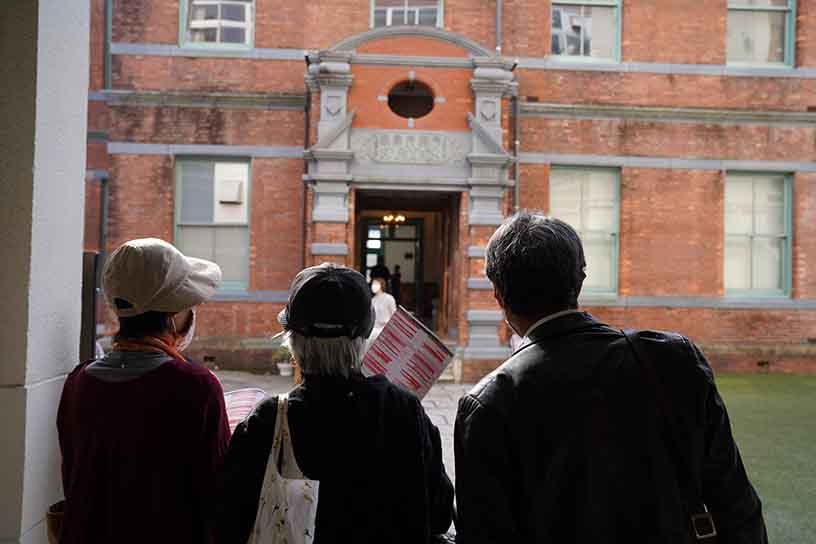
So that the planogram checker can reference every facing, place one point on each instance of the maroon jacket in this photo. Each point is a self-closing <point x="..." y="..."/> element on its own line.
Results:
<point x="140" y="458"/>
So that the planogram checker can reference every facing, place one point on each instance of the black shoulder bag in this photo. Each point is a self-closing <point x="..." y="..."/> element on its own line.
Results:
<point x="702" y="524"/>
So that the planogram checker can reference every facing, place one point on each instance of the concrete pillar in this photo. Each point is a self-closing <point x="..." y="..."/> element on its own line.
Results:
<point x="43" y="103"/>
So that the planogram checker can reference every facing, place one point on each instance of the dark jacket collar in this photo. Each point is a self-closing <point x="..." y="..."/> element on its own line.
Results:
<point x="563" y="325"/>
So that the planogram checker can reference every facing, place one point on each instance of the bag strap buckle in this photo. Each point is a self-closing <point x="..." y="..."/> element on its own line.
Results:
<point x="703" y="525"/>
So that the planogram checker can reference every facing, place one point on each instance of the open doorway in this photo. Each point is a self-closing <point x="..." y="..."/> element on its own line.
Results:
<point x="415" y="237"/>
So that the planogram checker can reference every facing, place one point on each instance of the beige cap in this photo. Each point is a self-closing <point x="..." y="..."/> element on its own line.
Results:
<point x="149" y="274"/>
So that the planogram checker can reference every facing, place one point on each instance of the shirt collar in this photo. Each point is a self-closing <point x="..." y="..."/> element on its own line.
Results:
<point x="547" y="318"/>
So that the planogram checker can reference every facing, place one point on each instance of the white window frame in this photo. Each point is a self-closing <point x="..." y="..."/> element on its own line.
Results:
<point x="787" y="252"/>
<point x="615" y="265"/>
<point x="226" y="285"/>
<point x="616" y="53"/>
<point x="409" y="5"/>
<point x="790" y="32"/>
<point x="218" y="24"/>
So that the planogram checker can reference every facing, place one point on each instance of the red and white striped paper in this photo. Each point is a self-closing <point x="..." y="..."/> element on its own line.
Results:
<point x="408" y="354"/>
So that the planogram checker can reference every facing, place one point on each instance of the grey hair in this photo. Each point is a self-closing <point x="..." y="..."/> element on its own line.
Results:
<point x="326" y="356"/>
<point x="535" y="263"/>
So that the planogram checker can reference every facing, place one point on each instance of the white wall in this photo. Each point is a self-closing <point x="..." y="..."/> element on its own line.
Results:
<point x="43" y="105"/>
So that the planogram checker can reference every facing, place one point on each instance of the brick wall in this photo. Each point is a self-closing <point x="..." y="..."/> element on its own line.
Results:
<point x="642" y="89"/>
<point x="525" y="28"/>
<point x="806" y="33"/>
<point x="534" y="187"/>
<point x="207" y="74"/>
<point x="207" y="126"/>
<point x="671" y="31"/>
<point x="671" y="237"/>
<point x="668" y="139"/>
<point x="804" y="236"/>
<point x="277" y="208"/>
<point x="371" y="82"/>
<point x="141" y="198"/>
<point x="674" y="31"/>
<point x="97" y="47"/>
<point x="671" y="221"/>
<point x="474" y="20"/>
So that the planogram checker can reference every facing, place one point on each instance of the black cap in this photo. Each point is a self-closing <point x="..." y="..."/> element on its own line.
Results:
<point x="329" y="301"/>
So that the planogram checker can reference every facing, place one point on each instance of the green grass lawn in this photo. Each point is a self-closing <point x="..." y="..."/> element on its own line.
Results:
<point x="774" y="422"/>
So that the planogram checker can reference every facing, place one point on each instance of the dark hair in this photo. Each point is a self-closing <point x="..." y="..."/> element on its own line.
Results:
<point x="535" y="263"/>
<point x="146" y="324"/>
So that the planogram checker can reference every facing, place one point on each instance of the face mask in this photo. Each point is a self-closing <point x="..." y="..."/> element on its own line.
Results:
<point x="183" y="343"/>
<point x="376" y="287"/>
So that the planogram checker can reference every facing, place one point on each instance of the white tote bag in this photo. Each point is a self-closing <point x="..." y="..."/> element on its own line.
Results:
<point x="288" y="504"/>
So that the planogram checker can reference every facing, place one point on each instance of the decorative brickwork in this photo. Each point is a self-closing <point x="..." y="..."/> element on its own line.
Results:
<point x="250" y="103"/>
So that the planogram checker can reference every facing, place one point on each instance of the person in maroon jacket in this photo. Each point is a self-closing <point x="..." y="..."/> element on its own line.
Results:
<point x="143" y="430"/>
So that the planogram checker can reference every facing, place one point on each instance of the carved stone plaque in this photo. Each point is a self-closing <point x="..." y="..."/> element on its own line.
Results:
<point x="489" y="110"/>
<point x="334" y="104"/>
<point x="409" y="147"/>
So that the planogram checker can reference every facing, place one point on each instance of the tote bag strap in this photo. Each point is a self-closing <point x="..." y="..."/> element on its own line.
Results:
<point x="287" y="463"/>
<point x="272" y="465"/>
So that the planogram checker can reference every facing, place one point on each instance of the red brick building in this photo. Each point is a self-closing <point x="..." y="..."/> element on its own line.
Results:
<point x="678" y="136"/>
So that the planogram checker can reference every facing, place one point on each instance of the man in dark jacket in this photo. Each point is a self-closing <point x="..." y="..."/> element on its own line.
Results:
<point x="371" y="446"/>
<point x="579" y="439"/>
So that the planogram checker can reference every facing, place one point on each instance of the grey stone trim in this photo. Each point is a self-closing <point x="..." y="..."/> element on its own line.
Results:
<point x="330" y="177"/>
<point x="207" y="100"/>
<point x="486" y="220"/>
<point x="97" y="96"/>
<point x="484" y="316"/>
<point x="335" y="132"/>
<point x="662" y="114"/>
<point x="353" y="42"/>
<point x="449" y="188"/>
<point x="135" y="148"/>
<point x="167" y="50"/>
<point x="392" y="182"/>
<point x="251" y="296"/>
<point x="95" y="174"/>
<point x="485" y="135"/>
<point x="330" y="216"/>
<point x="666" y="162"/>
<point x="479" y="284"/>
<point x="400" y="60"/>
<point x="330" y="201"/>
<point x="317" y="153"/>
<point x="476" y="252"/>
<point x="487" y="353"/>
<point x="319" y="248"/>
<point x="720" y="303"/>
<point x="551" y="63"/>
<point x="97" y="136"/>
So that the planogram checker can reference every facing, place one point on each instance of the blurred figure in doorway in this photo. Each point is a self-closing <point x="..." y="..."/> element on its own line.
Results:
<point x="381" y="271"/>
<point x="383" y="304"/>
<point x="396" y="284"/>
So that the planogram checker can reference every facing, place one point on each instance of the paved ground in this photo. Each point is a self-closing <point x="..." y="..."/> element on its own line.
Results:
<point x="440" y="403"/>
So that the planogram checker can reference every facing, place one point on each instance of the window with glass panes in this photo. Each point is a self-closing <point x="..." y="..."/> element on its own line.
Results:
<point x="406" y="12"/>
<point x="212" y="215"/>
<point x="587" y="199"/>
<point x="588" y="29"/>
<point x="757" y="234"/>
<point x="760" y="31"/>
<point x="225" y="22"/>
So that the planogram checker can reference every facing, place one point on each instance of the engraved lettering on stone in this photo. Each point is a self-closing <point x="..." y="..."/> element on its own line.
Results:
<point x="409" y="148"/>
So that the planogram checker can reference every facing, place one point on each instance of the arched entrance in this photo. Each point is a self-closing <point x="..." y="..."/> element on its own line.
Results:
<point x="419" y="135"/>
